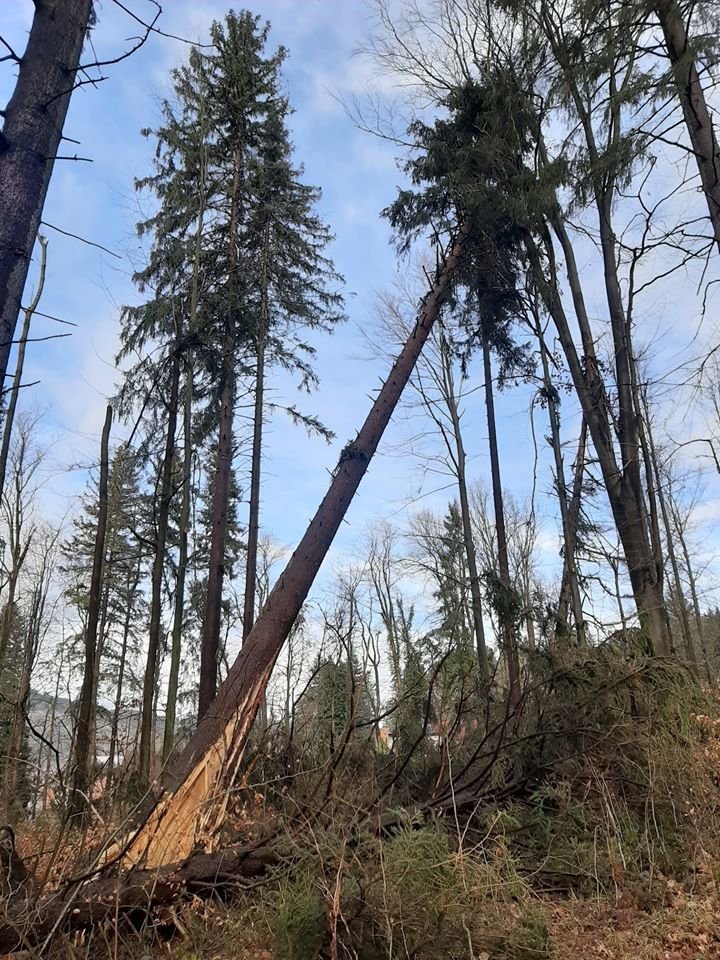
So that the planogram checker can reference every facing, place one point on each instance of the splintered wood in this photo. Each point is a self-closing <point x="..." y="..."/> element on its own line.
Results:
<point x="206" y="770"/>
<point x="191" y="816"/>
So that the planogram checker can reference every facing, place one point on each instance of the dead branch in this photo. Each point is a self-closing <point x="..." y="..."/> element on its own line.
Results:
<point x="26" y="923"/>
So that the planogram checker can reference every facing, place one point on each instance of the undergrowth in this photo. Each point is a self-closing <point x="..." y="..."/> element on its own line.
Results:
<point x="599" y="785"/>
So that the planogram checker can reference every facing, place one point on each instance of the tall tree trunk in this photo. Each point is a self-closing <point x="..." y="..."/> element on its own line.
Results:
<point x="210" y="644"/>
<point x="113" y="748"/>
<point x="657" y="496"/>
<point x="682" y="613"/>
<point x="506" y="627"/>
<point x="210" y="760"/>
<point x="469" y="543"/>
<point x="644" y="565"/>
<point x="628" y="513"/>
<point x="179" y="609"/>
<point x="680" y="533"/>
<point x="29" y="143"/>
<point x="147" y="726"/>
<point x="81" y="773"/>
<point x="216" y="574"/>
<point x="184" y="524"/>
<point x="573" y="518"/>
<point x="19" y="366"/>
<point x="570" y="573"/>
<point x="694" y="106"/>
<point x="254" y="512"/>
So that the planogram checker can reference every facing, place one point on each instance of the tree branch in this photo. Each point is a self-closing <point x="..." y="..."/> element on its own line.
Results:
<point x="75" y="236"/>
<point x="11" y="55"/>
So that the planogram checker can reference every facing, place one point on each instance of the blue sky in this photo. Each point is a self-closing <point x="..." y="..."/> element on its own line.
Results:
<point x="358" y="176"/>
<point x="357" y="173"/>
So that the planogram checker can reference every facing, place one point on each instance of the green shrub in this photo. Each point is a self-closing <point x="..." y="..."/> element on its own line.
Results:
<point x="298" y="921"/>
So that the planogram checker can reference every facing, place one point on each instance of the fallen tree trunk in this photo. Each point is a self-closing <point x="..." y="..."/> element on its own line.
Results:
<point x="24" y="924"/>
<point x="204" y="773"/>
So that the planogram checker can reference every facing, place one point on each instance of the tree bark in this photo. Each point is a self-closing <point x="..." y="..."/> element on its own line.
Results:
<point x="209" y="762"/>
<point x="629" y="514"/>
<point x="677" y="522"/>
<point x="254" y="512"/>
<point x="184" y="523"/>
<point x="570" y="573"/>
<point x="81" y="773"/>
<point x="507" y="628"/>
<point x="147" y="725"/>
<point x="659" y="497"/>
<point x="574" y="506"/>
<point x="210" y="643"/>
<point x="216" y="574"/>
<point x="470" y="553"/>
<point x="179" y="611"/>
<point x="111" y="898"/>
<point x="694" y="106"/>
<point x="29" y="143"/>
<point x="19" y="366"/>
<point x="113" y="748"/>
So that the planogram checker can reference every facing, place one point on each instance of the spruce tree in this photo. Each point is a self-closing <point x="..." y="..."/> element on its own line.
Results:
<point x="460" y="162"/>
<point x="294" y="291"/>
<point x="235" y="271"/>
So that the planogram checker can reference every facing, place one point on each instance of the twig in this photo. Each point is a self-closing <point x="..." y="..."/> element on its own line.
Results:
<point x="50" y="336"/>
<point x="90" y="243"/>
<point x="75" y="157"/>
<point x="153" y="29"/>
<point x="49" y="316"/>
<point x="11" y="55"/>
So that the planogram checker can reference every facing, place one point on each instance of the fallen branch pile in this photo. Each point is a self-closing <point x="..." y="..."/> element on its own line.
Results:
<point x="28" y="923"/>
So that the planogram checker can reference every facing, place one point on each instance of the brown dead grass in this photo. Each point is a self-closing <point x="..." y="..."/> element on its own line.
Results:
<point x="689" y="929"/>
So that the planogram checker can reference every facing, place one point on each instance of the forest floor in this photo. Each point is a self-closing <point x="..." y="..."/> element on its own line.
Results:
<point x="632" y="828"/>
<point x="686" y="928"/>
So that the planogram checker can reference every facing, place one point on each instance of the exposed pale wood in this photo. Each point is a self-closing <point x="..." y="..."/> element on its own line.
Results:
<point x="205" y="771"/>
<point x="190" y="816"/>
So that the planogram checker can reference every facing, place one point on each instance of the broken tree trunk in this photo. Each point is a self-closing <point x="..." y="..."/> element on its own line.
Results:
<point x="27" y="924"/>
<point x="203" y="774"/>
